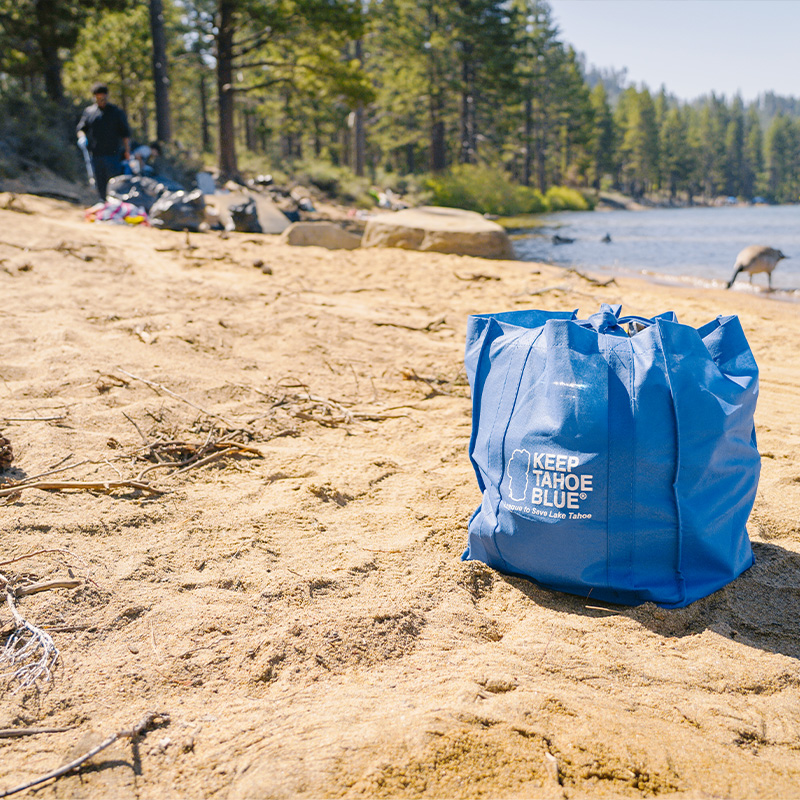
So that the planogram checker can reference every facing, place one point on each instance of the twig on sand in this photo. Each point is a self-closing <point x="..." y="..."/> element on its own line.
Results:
<point x="34" y="478"/>
<point x="138" y="429"/>
<point x="161" y="388"/>
<point x="12" y="733"/>
<point x="431" y="327"/>
<point x="476" y="276"/>
<point x="593" y="281"/>
<point x="46" y="586"/>
<point x="91" y="486"/>
<point x="34" y="419"/>
<point x="150" y="720"/>
<point x="201" y="455"/>
<point x="38" y="553"/>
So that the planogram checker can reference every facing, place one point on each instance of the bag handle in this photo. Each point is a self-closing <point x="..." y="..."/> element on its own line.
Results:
<point x="609" y="320"/>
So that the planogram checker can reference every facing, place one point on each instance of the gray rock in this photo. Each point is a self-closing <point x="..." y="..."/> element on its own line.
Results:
<point x="440" y="230"/>
<point x="320" y="234"/>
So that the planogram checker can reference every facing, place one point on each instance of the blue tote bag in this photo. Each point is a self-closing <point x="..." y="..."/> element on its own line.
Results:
<point x="616" y="455"/>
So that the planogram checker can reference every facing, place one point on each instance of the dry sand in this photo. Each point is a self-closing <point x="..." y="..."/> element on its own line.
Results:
<point x="304" y="618"/>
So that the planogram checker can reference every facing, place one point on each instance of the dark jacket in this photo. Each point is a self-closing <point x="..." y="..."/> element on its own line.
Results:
<point x="105" y="129"/>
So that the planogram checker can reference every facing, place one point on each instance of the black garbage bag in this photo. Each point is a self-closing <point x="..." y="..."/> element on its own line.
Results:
<point x="177" y="211"/>
<point x="140" y="190"/>
<point x="245" y="216"/>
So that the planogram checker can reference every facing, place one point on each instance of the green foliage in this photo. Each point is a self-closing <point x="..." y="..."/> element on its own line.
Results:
<point x="338" y="182"/>
<point x="783" y="160"/>
<point x="438" y="86"/>
<point x="114" y="48"/>
<point x="563" y="198"/>
<point x="36" y="134"/>
<point x="485" y="190"/>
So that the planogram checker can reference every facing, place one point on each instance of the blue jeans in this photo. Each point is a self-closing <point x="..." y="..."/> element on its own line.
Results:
<point x="105" y="168"/>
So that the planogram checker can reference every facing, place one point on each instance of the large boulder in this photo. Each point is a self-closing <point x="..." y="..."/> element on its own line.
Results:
<point x="442" y="230"/>
<point x="320" y="234"/>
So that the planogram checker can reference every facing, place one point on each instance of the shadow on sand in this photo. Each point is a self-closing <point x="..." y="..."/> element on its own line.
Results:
<point x="759" y="609"/>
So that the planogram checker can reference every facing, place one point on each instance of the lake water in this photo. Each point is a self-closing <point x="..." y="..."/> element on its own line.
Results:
<point x="695" y="246"/>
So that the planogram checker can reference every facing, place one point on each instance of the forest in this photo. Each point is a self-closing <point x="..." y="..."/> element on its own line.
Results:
<point x="480" y="102"/>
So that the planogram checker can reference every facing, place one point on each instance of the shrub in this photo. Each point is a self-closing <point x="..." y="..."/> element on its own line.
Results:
<point x="562" y="198"/>
<point x="38" y="133"/>
<point x="322" y="174"/>
<point x="485" y="190"/>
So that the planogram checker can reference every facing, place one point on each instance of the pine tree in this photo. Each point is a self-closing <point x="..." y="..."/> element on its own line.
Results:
<point x="604" y="136"/>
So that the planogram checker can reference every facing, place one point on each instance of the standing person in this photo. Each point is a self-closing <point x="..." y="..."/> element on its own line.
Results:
<point x="104" y="126"/>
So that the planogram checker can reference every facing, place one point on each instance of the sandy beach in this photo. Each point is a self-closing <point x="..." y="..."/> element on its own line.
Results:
<point x="296" y="606"/>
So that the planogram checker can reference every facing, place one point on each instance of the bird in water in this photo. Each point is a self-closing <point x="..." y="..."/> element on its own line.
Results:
<point x="756" y="258"/>
<point x="562" y="239"/>
<point x="606" y="239"/>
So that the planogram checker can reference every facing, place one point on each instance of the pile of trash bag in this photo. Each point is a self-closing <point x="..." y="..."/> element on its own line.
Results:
<point x="140" y="190"/>
<point x="178" y="211"/>
<point x="245" y="217"/>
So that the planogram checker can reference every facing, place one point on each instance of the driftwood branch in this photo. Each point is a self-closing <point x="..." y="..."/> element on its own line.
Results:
<point x="431" y="327"/>
<point x="13" y="733"/>
<point x="150" y="720"/>
<point x="593" y="281"/>
<point x="98" y="486"/>
<point x="45" y="586"/>
<point x="33" y="419"/>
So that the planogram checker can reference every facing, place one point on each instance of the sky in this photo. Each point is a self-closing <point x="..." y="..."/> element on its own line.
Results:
<point x="692" y="47"/>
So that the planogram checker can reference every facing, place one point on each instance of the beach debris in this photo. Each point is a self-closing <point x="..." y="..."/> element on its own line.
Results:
<point x="265" y="268"/>
<point x="245" y="216"/>
<point x="15" y="733"/>
<point x="12" y="490"/>
<point x="179" y="211"/>
<point x="590" y="279"/>
<point x="159" y="388"/>
<point x="183" y="456"/>
<point x="117" y="211"/>
<point x="477" y="276"/>
<point x="150" y="721"/>
<point x="756" y="258"/>
<point x="29" y="653"/>
<point x="432" y="327"/>
<point x="6" y="453"/>
<point x="140" y="190"/>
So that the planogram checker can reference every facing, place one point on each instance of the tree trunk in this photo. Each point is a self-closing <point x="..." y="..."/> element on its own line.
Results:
<point x="438" y="147"/>
<point x="527" y="167"/>
<point x="46" y="17"/>
<point x="160" y="79"/>
<point x="123" y="87"/>
<point x="144" y="121"/>
<point x="228" y="166"/>
<point x="204" y="124"/>
<point x="467" y="117"/>
<point x="251" y="142"/>
<point x="359" y="132"/>
<point x="410" y="164"/>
